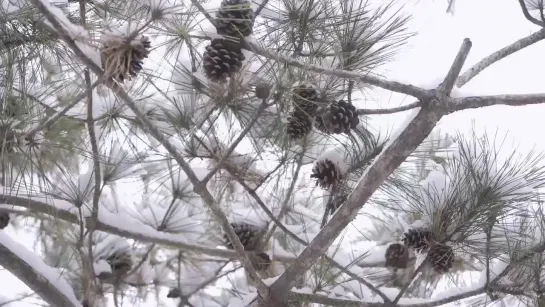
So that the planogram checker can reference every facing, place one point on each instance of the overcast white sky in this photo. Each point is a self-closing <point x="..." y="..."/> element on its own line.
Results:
<point x="490" y="24"/>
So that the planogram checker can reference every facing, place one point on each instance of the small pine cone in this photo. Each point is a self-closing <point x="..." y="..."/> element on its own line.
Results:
<point x="340" y="117"/>
<point x="123" y="61"/>
<point x="326" y="172"/>
<point x="174" y="293"/>
<point x="441" y="258"/>
<point x="261" y="261"/>
<point x="246" y="233"/>
<point x="221" y="60"/>
<point x="305" y="99"/>
<point x="121" y="263"/>
<point x="235" y="18"/>
<point x="418" y="239"/>
<point x="4" y="220"/>
<point x="397" y="256"/>
<point x="299" y="125"/>
<point x="263" y="90"/>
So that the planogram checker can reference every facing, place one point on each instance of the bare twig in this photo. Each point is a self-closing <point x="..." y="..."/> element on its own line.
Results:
<point x="458" y="104"/>
<point x="410" y="106"/>
<point x="528" y="16"/>
<point x="498" y="55"/>
<point x="389" y="85"/>
<point x="408" y="140"/>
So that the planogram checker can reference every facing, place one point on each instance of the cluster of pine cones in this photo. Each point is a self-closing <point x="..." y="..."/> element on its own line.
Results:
<point x="223" y="57"/>
<point x="122" y="60"/>
<point x="440" y="256"/>
<point x="335" y="118"/>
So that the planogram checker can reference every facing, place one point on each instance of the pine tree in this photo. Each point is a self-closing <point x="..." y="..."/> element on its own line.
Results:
<point x="183" y="153"/>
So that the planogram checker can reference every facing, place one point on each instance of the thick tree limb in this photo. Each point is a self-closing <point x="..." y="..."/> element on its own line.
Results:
<point x="40" y="284"/>
<point x="385" y="84"/>
<point x="407" y="107"/>
<point x="199" y="188"/>
<point x="390" y="159"/>
<point x="498" y="55"/>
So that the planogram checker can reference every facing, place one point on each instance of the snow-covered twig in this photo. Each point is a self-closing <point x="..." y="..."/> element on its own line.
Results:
<point x="410" y="106"/>
<point x="390" y="159"/>
<point x="198" y="187"/>
<point x="31" y="270"/>
<point x="458" y="104"/>
<point x="498" y="55"/>
<point x="113" y="227"/>
<point x="385" y="84"/>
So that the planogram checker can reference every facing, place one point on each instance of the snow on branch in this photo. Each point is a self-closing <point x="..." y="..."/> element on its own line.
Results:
<point x="41" y="278"/>
<point x="110" y="223"/>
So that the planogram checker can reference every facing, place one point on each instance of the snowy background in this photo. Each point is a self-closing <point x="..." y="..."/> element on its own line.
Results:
<point x="491" y="25"/>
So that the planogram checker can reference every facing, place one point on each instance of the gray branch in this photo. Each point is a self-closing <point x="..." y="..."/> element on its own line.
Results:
<point x="498" y="55"/>
<point x="33" y="279"/>
<point x="475" y="102"/>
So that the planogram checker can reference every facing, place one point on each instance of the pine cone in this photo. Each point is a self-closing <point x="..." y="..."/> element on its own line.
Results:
<point x="261" y="261"/>
<point x="397" y="256"/>
<point x="305" y="99"/>
<point x="120" y="262"/>
<point x="418" y="239"/>
<point x="246" y="233"/>
<point x="263" y="90"/>
<point x="4" y="220"/>
<point x="326" y="172"/>
<point x="235" y="18"/>
<point x="441" y="258"/>
<point x="123" y="61"/>
<point x="339" y="117"/>
<point x="174" y="293"/>
<point x="299" y="125"/>
<point x="221" y="60"/>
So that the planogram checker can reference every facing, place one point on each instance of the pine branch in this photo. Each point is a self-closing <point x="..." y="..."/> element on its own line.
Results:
<point x="475" y="102"/>
<point x="198" y="187"/>
<point x="385" y="84"/>
<point x="37" y="206"/>
<point x="410" y="106"/>
<point x="528" y="16"/>
<point x="499" y="55"/>
<point x="37" y="282"/>
<point x="408" y="140"/>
